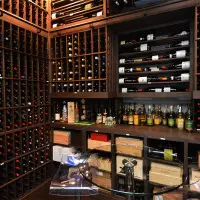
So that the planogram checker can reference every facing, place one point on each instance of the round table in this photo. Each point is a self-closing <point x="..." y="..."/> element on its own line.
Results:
<point x="131" y="170"/>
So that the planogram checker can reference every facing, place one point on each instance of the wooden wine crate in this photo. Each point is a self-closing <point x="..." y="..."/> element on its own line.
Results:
<point x="62" y="137"/>
<point x="138" y="169"/>
<point x="164" y="179"/>
<point x="99" y="145"/>
<point x="129" y="146"/>
<point x="165" y="169"/>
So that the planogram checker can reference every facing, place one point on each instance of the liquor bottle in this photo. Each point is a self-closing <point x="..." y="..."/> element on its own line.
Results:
<point x="158" y="116"/>
<point x="135" y="116"/>
<point x="57" y="113"/>
<point x="142" y="116"/>
<point x="171" y="120"/>
<point x="104" y="116"/>
<point x="76" y="113"/>
<point x="99" y="117"/>
<point x="149" y="117"/>
<point x="125" y="116"/>
<point x="164" y="116"/>
<point x="130" y="116"/>
<point x="180" y="119"/>
<point x="188" y="121"/>
<point x="64" y="112"/>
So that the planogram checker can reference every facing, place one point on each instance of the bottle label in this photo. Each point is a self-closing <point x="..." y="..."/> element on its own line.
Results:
<point x="185" y="43"/>
<point x="122" y="42"/>
<point x="57" y="116"/>
<point x="121" y="80"/>
<point x="171" y="122"/>
<point x="122" y="60"/>
<point x="185" y="77"/>
<point x="124" y="90"/>
<point x="189" y="125"/>
<point x="167" y="89"/>
<point x="149" y="121"/>
<point x="136" y="120"/>
<point x="181" y="54"/>
<point x="186" y="65"/>
<point x="168" y="154"/>
<point x="125" y="118"/>
<point x="180" y="123"/>
<point x="130" y="119"/>
<point x="53" y="16"/>
<point x="157" y="120"/>
<point x="150" y="37"/>
<point x="142" y="79"/>
<point x="158" y="89"/>
<point x="121" y="70"/>
<point x="143" y="47"/>
<point x="155" y="57"/>
<point x="164" y="122"/>
<point x="100" y="13"/>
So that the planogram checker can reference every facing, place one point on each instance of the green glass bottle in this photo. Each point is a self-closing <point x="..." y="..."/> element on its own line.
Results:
<point x="171" y="119"/>
<point x="188" y="121"/>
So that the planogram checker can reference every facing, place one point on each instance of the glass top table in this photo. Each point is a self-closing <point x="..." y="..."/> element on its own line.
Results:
<point x="133" y="171"/>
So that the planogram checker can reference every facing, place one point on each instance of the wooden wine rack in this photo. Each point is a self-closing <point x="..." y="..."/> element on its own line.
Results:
<point x="80" y="64"/>
<point x="25" y="139"/>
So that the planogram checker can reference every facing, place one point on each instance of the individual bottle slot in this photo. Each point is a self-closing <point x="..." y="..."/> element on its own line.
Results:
<point x="28" y="40"/>
<point x="96" y="86"/>
<point x="103" y="86"/>
<point x="2" y="148"/>
<point x="82" y="42"/>
<point x="3" y="175"/>
<point x="89" y="87"/>
<point x="95" y="40"/>
<point x="82" y="86"/>
<point x="96" y="66"/>
<point x="88" y="42"/>
<point x="1" y="94"/>
<point x="16" y="122"/>
<point x="41" y="114"/>
<point x="32" y="161"/>
<point x="30" y="116"/>
<point x="17" y="139"/>
<point x="18" y="168"/>
<point x="30" y="140"/>
<point x="11" y="170"/>
<point x="103" y="66"/>
<point x="7" y="63"/>
<point x="9" y="121"/>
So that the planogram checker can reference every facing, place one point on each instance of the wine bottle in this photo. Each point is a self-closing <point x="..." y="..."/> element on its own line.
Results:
<point x="129" y="70"/>
<point x="188" y="120"/>
<point x="182" y="77"/>
<point x="178" y="54"/>
<point x="57" y="113"/>
<point x="126" y="90"/>
<point x="164" y="116"/>
<point x="149" y="117"/>
<point x="125" y="116"/>
<point x="142" y="116"/>
<point x="64" y="112"/>
<point x="180" y="119"/>
<point x="171" y="120"/>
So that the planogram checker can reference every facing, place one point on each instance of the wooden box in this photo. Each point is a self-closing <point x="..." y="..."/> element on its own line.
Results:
<point x="62" y="137"/>
<point x="138" y="169"/>
<point x="164" y="179"/>
<point x="165" y="169"/>
<point x="71" y="112"/>
<point x="129" y="146"/>
<point x="99" y="145"/>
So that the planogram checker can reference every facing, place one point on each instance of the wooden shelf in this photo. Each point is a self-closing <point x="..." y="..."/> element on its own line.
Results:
<point x="153" y="61"/>
<point x="151" y="52"/>
<point x="154" y="132"/>
<point x="174" y="163"/>
<point x="157" y="41"/>
<point x="152" y="72"/>
<point x="154" y="83"/>
<point x="88" y="95"/>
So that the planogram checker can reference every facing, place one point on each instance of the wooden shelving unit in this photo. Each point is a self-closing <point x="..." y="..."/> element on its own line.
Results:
<point x="25" y="139"/>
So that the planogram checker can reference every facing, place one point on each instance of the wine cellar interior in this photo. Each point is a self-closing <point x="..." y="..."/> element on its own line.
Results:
<point x="75" y="75"/>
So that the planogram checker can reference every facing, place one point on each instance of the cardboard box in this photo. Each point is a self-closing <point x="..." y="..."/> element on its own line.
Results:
<point x="138" y="169"/>
<point x="99" y="145"/>
<point x="164" y="179"/>
<point x="129" y="146"/>
<point x="62" y="137"/>
<point x="71" y="112"/>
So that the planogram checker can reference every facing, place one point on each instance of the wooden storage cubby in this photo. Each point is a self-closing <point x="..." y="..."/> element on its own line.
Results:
<point x="80" y="65"/>
<point x="66" y="12"/>
<point x="25" y="132"/>
<point x="34" y="11"/>
<point x="162" y="37"/>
